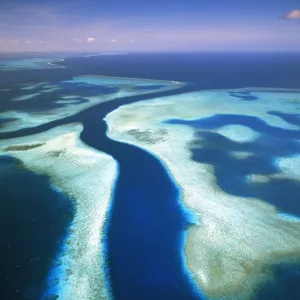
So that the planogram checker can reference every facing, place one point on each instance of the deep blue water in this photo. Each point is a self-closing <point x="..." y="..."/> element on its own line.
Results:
<point x="243" y="95"/>
<point x="205" y="70"/>
<point x="285" y="285"/>
<point x="148" y="87"/>
<point x="146" y="222"/>
<point x="33" y="222"/>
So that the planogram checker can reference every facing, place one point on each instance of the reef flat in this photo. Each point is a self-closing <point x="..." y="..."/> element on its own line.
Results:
<point x="87" y="176"/>
<point x="236" y="240"/>
<point x="29" y="63"/>
<point x="46" y="101"/>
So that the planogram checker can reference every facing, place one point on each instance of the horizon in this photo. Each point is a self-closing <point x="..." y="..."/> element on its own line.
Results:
<point x="100" y="53"/>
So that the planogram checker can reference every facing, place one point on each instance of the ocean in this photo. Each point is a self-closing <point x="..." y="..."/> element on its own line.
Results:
<point x="146" y="224"/>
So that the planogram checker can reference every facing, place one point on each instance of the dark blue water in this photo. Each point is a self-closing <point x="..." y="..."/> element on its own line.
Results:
<point x="148" y="87"/>
<point x="33" y="222"/>
<point x="146" y="223"/>
<point x="244" y="96"/>
<point x="206" y="70"/>
<point x="284" y="286"/>
<point x="85" y="90"/>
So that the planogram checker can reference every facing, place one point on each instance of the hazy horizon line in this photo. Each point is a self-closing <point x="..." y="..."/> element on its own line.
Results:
<point x="150" y="52"/>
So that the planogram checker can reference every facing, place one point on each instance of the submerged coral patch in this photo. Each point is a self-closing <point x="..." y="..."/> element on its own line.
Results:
<point x="26" y="97"/>
<point x="22" y="147"/>
<point x="33" y="86"/>
<point x="238" y="133"/>
<point x="29" y="63"/>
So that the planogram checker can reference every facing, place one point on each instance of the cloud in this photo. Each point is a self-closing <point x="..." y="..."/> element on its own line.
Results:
<point x="90" y="40"/>
<point x="295" y="14"/>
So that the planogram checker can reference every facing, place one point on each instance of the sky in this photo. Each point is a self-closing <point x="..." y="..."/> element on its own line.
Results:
<point x="149" y="25"/>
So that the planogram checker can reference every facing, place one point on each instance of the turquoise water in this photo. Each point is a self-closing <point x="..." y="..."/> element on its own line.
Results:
<point x="29" y="63"/>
